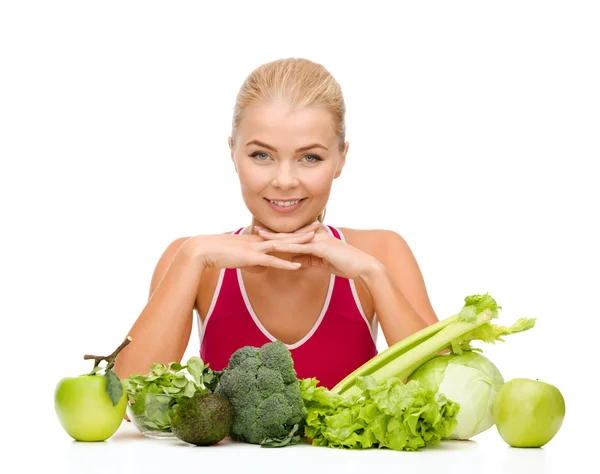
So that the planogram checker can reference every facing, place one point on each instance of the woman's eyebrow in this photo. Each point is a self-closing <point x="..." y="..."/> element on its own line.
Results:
<point x="269" y="147"/>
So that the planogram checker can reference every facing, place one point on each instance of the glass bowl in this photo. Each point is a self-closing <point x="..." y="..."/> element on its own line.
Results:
<point x="151" y="413"/>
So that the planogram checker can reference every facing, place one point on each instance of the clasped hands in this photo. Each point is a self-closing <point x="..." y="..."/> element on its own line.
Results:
<point x="322" y="250"/>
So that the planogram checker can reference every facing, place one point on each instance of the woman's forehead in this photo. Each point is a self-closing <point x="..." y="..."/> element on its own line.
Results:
<point x="284" y="124"/>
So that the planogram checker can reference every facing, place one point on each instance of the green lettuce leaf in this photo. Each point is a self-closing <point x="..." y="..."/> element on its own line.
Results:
<point x="394" y="415"/>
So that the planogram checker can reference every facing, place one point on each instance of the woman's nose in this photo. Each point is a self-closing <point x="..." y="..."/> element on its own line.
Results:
<point x="285" y="177"/>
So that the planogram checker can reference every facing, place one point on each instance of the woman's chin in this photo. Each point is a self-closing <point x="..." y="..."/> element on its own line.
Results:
<point x="291" y="225"/>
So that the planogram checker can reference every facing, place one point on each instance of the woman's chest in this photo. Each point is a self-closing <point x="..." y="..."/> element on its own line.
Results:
<point x="287" y="312"/>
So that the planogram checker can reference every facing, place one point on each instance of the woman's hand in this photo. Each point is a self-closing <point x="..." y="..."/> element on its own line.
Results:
<point x="248" y="252"/>
<point x="325" y="251"/>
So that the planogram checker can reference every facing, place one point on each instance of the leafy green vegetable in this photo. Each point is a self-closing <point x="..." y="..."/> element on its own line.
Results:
<point x="293" y="437"/>
<point x="403" y="417"/>
<point x="454" y="333"/>
<point x="155" y="397"/>
<point x="471" y="380"/>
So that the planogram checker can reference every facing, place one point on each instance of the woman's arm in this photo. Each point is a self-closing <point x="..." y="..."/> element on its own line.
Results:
<point x="397" y="288"/>
<point x="162" y="330"/>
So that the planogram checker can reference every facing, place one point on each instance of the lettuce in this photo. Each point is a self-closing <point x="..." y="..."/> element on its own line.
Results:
<point x="155" y="396"/>
<point x="394" y="415"/>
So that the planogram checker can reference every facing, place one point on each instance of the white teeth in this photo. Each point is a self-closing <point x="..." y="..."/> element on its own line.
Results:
<point x="287" y="203"/>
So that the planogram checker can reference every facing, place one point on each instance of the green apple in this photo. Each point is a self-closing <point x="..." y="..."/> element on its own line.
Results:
<point x="528" y="413"/>
<point x="85" y="410"/>
<point x="91" y="407"/>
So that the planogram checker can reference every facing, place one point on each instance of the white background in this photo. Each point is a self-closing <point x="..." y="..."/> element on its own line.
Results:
<point x="473" y="128"/>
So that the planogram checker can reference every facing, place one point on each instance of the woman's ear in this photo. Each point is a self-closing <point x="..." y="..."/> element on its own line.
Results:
<point x="338" y="171"/>
<point x="230" y="143"/>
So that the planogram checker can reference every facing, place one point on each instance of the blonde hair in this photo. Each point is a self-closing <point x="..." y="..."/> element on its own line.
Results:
<point x="297" y="83"/>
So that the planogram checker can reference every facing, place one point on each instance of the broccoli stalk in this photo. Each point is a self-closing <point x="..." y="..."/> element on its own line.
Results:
<point x="263" y="388"/>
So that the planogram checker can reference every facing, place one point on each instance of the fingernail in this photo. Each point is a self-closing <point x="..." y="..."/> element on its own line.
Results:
<point x="257" y="227"/>
<point x="297" y="264"/>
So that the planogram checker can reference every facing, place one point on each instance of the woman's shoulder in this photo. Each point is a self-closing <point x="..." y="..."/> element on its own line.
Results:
<point x="376" y="242"/>
<point x="367" y="236"/>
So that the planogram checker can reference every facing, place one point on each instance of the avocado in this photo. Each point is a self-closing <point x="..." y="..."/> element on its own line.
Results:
<point x="204" y="419"/>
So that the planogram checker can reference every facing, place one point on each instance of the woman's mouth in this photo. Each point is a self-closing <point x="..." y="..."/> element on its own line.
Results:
<point x="286" y="205"/>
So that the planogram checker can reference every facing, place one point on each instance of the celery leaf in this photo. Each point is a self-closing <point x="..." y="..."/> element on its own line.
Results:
<point x="489" y="333"/>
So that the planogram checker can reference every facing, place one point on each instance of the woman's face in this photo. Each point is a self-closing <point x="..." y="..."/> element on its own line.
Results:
<point x="283" y="156"/>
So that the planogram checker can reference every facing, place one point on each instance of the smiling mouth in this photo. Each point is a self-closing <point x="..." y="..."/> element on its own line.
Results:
<point x="285" y="203"/>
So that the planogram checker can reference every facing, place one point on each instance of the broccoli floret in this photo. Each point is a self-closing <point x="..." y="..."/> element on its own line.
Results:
<point x="241" y="355"/>
<point x="251" y="364"/>
<point x="275" y="355"/>
<point x="293" y="394"/>
<point x="244" y="417"/>
<point x="236" y="382"/>
<point x="269" y="381"/>
<point x="273" y="417"/>
<point x="262" y="386"/>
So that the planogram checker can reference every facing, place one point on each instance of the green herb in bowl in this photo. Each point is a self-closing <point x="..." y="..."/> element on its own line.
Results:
<point x="154" y="397"/>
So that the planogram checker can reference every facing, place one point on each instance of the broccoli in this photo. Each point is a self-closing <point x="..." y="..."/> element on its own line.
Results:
<point x="263" y="388"/>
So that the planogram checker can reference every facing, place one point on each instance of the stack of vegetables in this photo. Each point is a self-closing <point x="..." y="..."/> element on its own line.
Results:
<point x="445" y="396"/>
<point x="405" y="398"/>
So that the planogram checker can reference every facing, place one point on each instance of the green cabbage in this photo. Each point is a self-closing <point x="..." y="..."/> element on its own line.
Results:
<point x="469" y="379"/>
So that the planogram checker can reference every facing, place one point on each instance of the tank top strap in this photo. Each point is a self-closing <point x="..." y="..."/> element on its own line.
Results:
<point x="336" y="233"/>
<point x="224" y="295"/>
<point x="346" y="297"/>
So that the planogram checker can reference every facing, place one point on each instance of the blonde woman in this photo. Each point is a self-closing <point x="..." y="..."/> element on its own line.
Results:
<point x="288" y="276"/>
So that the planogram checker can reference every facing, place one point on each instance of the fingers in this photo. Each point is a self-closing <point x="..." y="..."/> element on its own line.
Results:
<point x="310" y="261"/>
<point x="261" y="261"/>
<point x="253" y="268"/>
<point x="276" y="235"/>
<point x="294" y="247"/>
<point x="313" y="226"/>
<point x="268" y="245"/>
<point x="270" y="261"/>
<point x="265" y="260"/>
<point x="307" y="228"/>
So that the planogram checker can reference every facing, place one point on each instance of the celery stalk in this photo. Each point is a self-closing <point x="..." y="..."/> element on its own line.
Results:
<point x="391" y="353"/>
<point x="455" y="333"/>
<point x="404" y="365"/>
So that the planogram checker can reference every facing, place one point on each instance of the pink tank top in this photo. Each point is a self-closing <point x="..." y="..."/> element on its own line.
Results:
<point x="340" y="341"/>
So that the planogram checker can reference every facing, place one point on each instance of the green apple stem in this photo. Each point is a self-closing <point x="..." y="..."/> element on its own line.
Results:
<point x="110" y="359"/>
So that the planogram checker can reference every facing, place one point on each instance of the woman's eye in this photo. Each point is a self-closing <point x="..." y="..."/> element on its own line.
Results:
<point x="258" y="154"/>
<point x="315" y="158"/>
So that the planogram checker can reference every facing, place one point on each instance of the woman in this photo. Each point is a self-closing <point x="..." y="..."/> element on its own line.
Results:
<point x="288" y="276"/>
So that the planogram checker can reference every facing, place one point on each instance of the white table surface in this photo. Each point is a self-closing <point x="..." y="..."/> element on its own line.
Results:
<point x="128" y="451"/>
